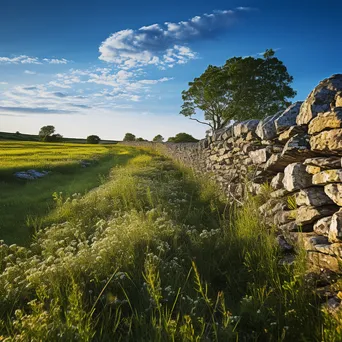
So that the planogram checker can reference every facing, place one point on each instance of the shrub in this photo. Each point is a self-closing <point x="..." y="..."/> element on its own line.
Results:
<point x="93" y="139"/>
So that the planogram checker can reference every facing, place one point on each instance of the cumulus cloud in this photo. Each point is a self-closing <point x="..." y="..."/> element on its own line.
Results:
<point x="23" y="59"/>
<point x="163" y="44"/>
<point x="29" y="72"/>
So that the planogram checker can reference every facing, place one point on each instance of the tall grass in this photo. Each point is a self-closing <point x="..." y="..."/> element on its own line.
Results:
<point x="155" y="254"/>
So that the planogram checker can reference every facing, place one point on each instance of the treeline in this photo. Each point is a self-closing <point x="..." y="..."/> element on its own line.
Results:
<point x="178" y="138"/>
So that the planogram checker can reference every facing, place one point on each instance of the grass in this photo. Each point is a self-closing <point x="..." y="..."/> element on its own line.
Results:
<point x="25" y="205"/>
<point x="156" y="254"/>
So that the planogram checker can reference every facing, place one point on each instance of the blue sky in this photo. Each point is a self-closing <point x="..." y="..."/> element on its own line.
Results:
<point x="107" y="68"/>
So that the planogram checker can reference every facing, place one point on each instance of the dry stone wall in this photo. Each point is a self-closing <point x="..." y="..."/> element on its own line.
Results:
<point x="298" y="153"/>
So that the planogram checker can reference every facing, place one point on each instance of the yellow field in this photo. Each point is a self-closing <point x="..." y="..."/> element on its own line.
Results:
<point x="38" y="155"/>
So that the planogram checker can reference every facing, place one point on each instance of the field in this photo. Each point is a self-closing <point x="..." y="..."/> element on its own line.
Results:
<point x="32" y="137"/>
<point x="154" y="253"/>
<point x="24" y="205"/>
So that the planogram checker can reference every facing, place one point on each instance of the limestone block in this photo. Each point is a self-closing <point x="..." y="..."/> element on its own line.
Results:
<point x="335" y="229"/>
<point x="296" y="177"/>
<point x="334" y="191"/>
<point x="327" y="141"/>
<point x="322" y="226"/>
<point x="327" y="120"/>
<point x="320" y="260"/>
<point x="324" y="162"/>
<point x="338" y="99"/>
<point x="266" y="128"/>
<point x="288" y="117"/>
<point x="242" y="128"/>
<point x="277" y="181"/>
<point x="294" y="227"/>
<point x="327" y="176"/>
<point x="320" y="99"/>
<point x="306" y="215"/>
<point x="314" y="196"/>
<point x="292" y="131"/>
<point x="260" y="156"/>
<point x="312" y="170"/>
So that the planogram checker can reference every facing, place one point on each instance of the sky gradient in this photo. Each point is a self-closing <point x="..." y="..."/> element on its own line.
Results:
<point x="105" y="68"/>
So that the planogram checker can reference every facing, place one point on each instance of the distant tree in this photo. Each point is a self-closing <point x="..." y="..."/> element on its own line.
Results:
<point x="93" y="139"/>
<point x="17" y="133"/>
<point x="158" y="138"/>
<point x="46" y="131"/>
<point x="53" y="138"/>
<point x="140" y="139"/>
<point x="243" y="88"/>
<point x="129" y="137"/>
<point x="182" y="137"/>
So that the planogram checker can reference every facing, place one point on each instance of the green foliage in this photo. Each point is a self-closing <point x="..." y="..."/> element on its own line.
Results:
<point x="46" y="131"/>
<point x="155" y="254"/>
<point x="140" y="139"/>
<point x="243" y="88"/>
<point x="158" y="138"/>
<point x="93" y="139"/>
<point x="129" y="137"/>
<point x="182" y="137"/>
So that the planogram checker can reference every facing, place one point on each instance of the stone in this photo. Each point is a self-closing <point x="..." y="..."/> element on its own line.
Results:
<point x="310" y="240"/>
<point x="292" y="131"/>
<point x="334" y="191"/>
<point x="312" y="170"/>
<point x="327" y="141"/>
<point x="335" y="229"/>
<point x="244" y="127"/>
<point x="284" y="216"/>
<point x="296" y="177"/>
<point x="327" y="176"/>
<point x="321" y="261"/>
<point x="277" y="181"/>
<point x="260" y="156"/>
<point x="327" y="120"/>
<point x="321" y="227"/>
<point x="298" y="143"/>
<point x="266" y="128"/>
<point x="330" y="248"/>
<point x="305" y="215"/>
<point x="288" y="117"/>
<point x="294" y="227"/>
<point x="320" y="99"/>
<point x="280" y="193"/>
<point x="324" y="162"/>
<point x="338" y="99"/>
<point x="314" y="196"/>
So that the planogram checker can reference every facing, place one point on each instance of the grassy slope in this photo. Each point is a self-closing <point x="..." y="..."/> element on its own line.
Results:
<point x="25" y="204"/>
<point x="155" y="254"/>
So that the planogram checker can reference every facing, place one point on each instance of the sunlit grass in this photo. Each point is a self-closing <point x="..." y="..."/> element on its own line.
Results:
<point x="155" y="254"/>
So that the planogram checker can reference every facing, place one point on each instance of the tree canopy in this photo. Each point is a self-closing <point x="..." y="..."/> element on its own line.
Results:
<point x="243" y="88"/>
<point x="46" y="131"/>
<point x="129" y="137"/>
<point x="182" y="137"/>
<point x="93" y="139"/>
<point x="158" y="138"/>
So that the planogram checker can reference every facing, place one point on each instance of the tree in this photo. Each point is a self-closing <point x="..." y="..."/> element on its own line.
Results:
<point x="129" y="137"/>
<point x="182" y="137"/>
<point x="140" y="139"/>
<point x="242" y="89"/>
<point x="46" y="131"/>
<point x="93" y="139"/>
<point x="158" y="138"/>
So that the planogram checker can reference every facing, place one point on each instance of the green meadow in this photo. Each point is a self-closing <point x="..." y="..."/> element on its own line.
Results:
<point x="138" y="248"/>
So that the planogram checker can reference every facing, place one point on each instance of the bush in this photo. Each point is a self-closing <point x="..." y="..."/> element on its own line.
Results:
<point x="182" y="137"/>
<point x="53" y="138"/>
<point x="129" y="137"/>
<point x="93" y="139"/>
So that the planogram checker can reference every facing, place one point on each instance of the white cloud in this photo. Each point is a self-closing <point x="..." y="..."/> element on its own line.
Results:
<point x="163" y="44"/>
<point x="29" y="72"/>
<point x="23" y="59"/>
<point x="3" y="83"/>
